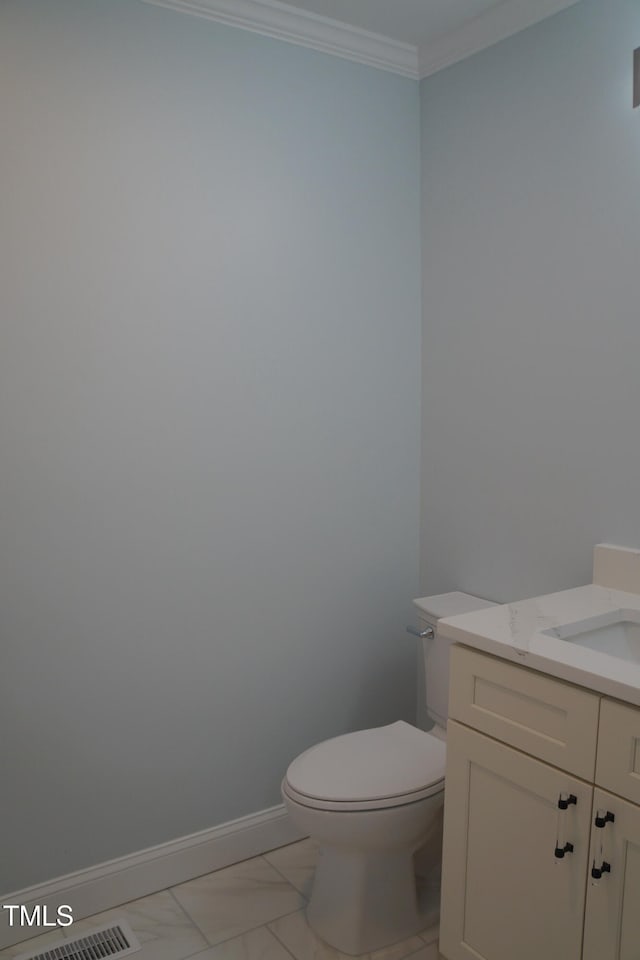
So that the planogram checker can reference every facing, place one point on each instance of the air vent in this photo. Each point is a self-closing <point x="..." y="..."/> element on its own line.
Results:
<point x="114" y="940"/>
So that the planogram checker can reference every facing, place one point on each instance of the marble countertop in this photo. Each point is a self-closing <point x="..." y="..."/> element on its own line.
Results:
<point x="514" y="632"/>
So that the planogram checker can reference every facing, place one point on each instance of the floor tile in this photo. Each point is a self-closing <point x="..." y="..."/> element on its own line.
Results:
<point x="297" y="863"/>
<point x="43" y="942"/>
<point x="258" y="944"/>
<point x="297" y="936"/>
<point x="162" y="927"/>
<point x="428" y="952"/>
<point x="432" y="935"/>
<point x="250" y="911"/>
<point x="232" y="901"/>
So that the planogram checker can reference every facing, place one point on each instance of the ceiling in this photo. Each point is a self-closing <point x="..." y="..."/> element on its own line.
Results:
<point x="411" y="37"/>
<point x="411" y="21"/>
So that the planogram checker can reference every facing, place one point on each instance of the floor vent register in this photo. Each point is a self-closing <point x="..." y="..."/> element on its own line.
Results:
<point x="114" y="940"/>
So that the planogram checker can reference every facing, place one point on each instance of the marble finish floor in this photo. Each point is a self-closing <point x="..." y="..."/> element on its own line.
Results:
<point x="253" y="910"/>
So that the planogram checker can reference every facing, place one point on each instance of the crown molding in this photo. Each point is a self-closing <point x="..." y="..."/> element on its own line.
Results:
<point x="283" y="22"/>
<point x="498" y="23"/>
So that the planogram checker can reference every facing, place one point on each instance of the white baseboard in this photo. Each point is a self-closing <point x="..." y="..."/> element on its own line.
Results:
<point x="136" y="875"/>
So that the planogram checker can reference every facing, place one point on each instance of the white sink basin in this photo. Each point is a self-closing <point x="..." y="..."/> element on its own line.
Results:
<point x="616" y="633"/>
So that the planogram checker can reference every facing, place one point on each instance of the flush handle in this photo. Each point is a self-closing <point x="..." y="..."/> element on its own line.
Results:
<point x="427" y="634"/>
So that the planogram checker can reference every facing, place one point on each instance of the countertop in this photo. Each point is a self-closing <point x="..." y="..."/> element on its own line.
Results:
<point x="514" y="632"/>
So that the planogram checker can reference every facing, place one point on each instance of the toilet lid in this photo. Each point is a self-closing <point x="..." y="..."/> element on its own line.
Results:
<point x="396" y="761"/>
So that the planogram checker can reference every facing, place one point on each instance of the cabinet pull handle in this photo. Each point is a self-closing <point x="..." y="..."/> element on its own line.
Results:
<point x="604" y="817"/>
<point x="565" y="800"/>
<point x="560" y="851"/>
<point x="596" y="872"/>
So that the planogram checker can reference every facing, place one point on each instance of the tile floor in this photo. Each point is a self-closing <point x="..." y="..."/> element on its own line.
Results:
<point x="253" y="910"/>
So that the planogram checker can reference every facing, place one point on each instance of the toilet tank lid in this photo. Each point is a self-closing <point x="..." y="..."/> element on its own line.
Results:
<point x="450" y="605"/>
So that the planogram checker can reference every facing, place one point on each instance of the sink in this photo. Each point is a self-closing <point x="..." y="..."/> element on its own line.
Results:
<point x="616" y="633"/>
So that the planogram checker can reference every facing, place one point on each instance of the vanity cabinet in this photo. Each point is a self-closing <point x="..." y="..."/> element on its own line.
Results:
<point x="532" y="808"/>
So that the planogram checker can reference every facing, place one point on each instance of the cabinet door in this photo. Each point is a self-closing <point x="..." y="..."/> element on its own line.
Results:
<point x="504" y="892"/>
<point x="612" y="919"/>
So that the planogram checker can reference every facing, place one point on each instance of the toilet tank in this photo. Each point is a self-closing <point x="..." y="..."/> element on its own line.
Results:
<point x="433" y="670"/>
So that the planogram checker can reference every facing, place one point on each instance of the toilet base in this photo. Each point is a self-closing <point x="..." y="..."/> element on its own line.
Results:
<point x="366" y="894"/>
<point x="384" y="903"/>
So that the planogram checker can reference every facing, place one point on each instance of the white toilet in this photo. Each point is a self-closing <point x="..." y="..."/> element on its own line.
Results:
<point x="373" y="800"/>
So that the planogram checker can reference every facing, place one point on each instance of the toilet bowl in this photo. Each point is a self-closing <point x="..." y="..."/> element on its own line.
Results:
<point x="370" y="799"/>
<point x="373" y="799"/>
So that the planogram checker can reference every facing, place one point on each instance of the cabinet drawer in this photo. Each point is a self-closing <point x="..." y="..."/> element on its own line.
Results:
<point x="547" y="718"/>
<point x="618" y="765"/>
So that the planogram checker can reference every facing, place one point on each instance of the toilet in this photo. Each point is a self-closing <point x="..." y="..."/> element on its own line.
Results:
<point x="373" y="800"/>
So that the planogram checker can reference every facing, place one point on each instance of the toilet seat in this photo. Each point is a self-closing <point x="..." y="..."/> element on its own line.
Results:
<point x="371" y="769"/>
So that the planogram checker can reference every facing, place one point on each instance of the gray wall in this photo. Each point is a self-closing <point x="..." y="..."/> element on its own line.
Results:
<point x="531" y="294"/>
<point x="209" y="420"/>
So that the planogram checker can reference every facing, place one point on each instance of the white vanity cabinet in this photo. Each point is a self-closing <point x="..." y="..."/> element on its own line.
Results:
<point x="530" y="766"/>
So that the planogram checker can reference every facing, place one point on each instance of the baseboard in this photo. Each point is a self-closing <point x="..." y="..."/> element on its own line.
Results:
<point x="136" y="875"/>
